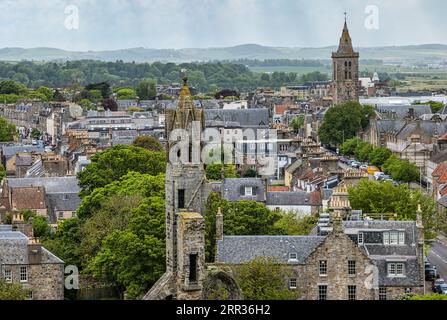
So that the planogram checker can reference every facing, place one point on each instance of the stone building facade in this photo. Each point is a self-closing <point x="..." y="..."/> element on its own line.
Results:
<point x="357" y="260"/>
<point x="26" y="262"/>
<point x="345" y="63"/>
<point x="186" y="192"/>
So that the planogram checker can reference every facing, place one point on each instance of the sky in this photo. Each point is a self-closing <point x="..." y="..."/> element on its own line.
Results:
<point x="82" y="25"/>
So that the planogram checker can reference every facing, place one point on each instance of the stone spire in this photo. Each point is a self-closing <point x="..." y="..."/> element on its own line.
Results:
<point x="345" y="45"/>
<point x="185" y="100"/>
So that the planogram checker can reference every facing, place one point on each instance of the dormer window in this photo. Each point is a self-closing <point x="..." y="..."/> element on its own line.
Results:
<point x="248" y="191"/>
<point x="396" y="270"/>
<point x="293" y="256"/>
<point x="394" y="238"/>
<point x="360" y="238"/>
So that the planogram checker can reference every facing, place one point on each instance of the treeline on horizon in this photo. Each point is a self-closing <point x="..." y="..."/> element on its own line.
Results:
<point x="205" y="77"/>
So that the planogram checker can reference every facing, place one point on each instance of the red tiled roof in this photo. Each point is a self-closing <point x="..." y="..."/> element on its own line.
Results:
<point x="281" y="108"/>
<point x="277" y="188"/>
<point x="440" y="169"/>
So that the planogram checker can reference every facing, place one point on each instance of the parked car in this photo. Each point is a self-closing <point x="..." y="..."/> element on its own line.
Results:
<point x="364" y="167"/>
<point x="355" y="164"/>
<point x="436" y="283"/>
<point x="378" y="174"/>
<point x="441" y="288"/>
<point x="430" y="274"/>
<point x="385" y="177"/>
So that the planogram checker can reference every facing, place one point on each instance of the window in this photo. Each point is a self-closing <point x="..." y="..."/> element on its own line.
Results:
<point x="193" y="268"/>
<point x="352" y="292"/>
<point x="293" y="256"/>
<point x="61" y="215"/>
<point x="292" y="283"/>
<point x="323" y="267"/>
<point x="382" y="293"/>
<point x="322" y="292"/>
<point x="248" y="191"/>
<point x="7" y="275"/>
<point x="181" y="198"/>
<point x="394" y="238"/>
<point x="360" y="238"/>
<point x="351" y="267"/>
<point x="408" y="290"/>
<point x="396" y="270"/>
<point x="23" y="274"/>
<point x="30" y="295"/>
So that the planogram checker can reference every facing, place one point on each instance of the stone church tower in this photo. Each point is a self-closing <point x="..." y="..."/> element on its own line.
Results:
<point x="345" y="79"/>
<point x="186" y="192"/>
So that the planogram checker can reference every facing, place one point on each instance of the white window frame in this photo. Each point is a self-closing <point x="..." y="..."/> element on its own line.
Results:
<point x="322" y="266"/>
<point x="396" y="270"/>
<point x="360" y="238"/>
<point x="382" y="293"/>
<point x="7" y="275"/>
<point x="293" y="256"/>
<point x="320" y="291"/>
<point x="248" y="191"/>
<point x="23" y="274"/>
<point x="352" y="268"/>
<point x="292" y="283"/>
<point x="394" y="238"/>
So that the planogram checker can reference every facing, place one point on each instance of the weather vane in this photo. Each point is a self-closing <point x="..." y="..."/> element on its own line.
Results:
<point x="345" y="15"/>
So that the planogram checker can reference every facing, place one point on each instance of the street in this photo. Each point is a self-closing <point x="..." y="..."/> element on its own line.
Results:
<point x="438" y="257"/>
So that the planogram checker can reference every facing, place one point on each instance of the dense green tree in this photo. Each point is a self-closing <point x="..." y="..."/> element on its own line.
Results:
<point x="429" y="296"/>
<point x="398" y="202"/>
<point x="12" y="87"/>
<point x="46" y="92"/>
<point x="133" y="258"/>
<point x="2" y="172"/>
<point x="65" y="242"/>
<point x="126" y="94"/>
<point x="35" y="134"/>
<point x="349" y="147"/>
<point x="342" y="122"/>
<point x="12" y="291"/>
<point x="113" y="163"/>
<point x="289" y="224"/>
<point x="148" y="142"/>
<point x="379" y="156"/>
<point x="297" y="123"/>
<point x="401" y="170"/>
<point x="249" y="173"/>
<point x="214" y="171"/>
<point x="133" y="183"/>
<point x="363" y="151"/>
<point x="240" y="218"/>
<point x="264" y="279"/>
<point x="7" y="130"/>
<point x="147" y="89"/>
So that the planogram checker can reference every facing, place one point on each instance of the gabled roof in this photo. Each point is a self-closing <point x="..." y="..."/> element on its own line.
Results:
<point x="242" y="249"/>
<point x="231" y="189"/>
<point x="292" y="198"/>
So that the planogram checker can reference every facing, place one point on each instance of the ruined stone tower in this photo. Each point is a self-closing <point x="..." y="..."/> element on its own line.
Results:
<point x="345" y="62"/>
<point x="185" y="195"/>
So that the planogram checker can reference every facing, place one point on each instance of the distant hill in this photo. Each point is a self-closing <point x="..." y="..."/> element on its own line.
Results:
<point x="425" y="52"/>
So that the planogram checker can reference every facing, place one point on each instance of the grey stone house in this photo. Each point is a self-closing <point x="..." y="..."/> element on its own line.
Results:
<point x="359" y="260"/>
<point x="28" y="263"/>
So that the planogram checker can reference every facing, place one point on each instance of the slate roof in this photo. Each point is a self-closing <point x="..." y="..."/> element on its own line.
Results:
<point x="51" y="184"/>
<point x="231" y="189"/>
<point x="9" y="151"/>
<point x="382" y="254"/>
<point x="241" y="249"/>
<point x="292" y="198"/>
<point x="402" y="111"/>
<point x="14" y="249"/>
<point x="390" y="126"/>
<point x="64" y="201"/>
<point x="237" y="118"/>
